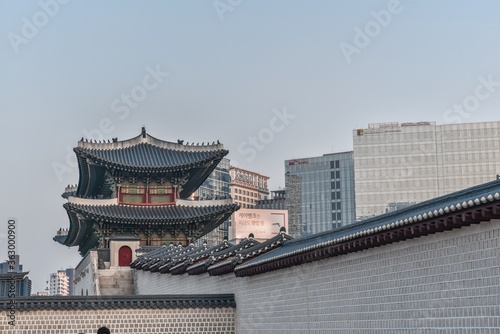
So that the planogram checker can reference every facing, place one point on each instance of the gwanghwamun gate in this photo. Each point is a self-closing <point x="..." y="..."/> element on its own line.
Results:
<point x="433" y="267"/>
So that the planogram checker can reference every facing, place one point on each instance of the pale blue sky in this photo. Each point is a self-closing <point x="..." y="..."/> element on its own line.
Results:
<point x="226" y="76"/>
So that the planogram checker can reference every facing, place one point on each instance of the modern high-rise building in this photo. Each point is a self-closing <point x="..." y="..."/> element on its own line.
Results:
<point x="216" y="186"/>
<point x="70" y="272"/>
<point x="276" y="202"/>
<point x="12" y="277"/>
<point x="246" y="188"/>
<point x="59" y="284"/>
<point x="397" y="164"/>
<point x="217" y="183"/>
<point x="327" y="197"/>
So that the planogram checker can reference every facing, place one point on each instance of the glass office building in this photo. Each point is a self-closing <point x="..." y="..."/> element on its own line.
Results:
<point x="216" y="186"/>
<point x="398" y="163"/>
<point x="12" y="275"/>
<point x="327" y="198"/>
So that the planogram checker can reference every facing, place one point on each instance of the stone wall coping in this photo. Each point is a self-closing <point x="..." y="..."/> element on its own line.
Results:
<point x="119" y="302"/>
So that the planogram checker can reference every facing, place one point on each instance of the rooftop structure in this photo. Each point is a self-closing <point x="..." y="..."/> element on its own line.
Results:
<point x="320" y="192"/>
<point x="413" y="162"/>
<point x="141" y="186"/>
<point x="276" y="202"/>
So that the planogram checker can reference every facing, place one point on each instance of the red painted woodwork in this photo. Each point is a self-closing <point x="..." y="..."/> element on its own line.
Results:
<point x="144" y="195"/>
<point x="124" y="256"/>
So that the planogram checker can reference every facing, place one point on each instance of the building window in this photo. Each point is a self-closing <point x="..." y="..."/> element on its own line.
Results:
<point x="133" y="194"/>
<point x="161" y="194"/>
<point x="155" y="194"/>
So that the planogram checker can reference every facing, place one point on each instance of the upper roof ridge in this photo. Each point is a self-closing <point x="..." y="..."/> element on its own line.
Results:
<point x="145" y="138"/>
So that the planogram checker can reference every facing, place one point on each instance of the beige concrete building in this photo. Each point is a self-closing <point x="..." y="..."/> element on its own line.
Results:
<point x="397" y="164"/>
<point x="59" y="283"/>
<point x="246" y="189"/>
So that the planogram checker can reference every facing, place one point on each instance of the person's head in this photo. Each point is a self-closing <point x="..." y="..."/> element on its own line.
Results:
<point x="103" y="330"/>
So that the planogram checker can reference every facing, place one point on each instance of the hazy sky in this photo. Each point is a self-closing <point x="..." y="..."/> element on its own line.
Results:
<point x="272" y="80"/>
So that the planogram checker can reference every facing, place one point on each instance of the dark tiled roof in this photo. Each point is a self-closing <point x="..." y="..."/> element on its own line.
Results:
<point x="151" y="213"/>
<point x="212" y="250"/>
<point x="180" y="261"/>
<point x="145" y="156"/>
<point x="230" y="251"/>
<point x="60" y="238"/>
<point x="68" y="194"/>
<point x="265" y="246"/>
<point x="154" y="256"/>
<point x="229" y="265"/>
<point x="146" y="249"/>
<point x="216" y="260"/>
<point x="120" y="302"/>
<point x="200" y="262"/>
<point x="194" y="260"/>
<point x="198" y="217"/>
<point x="174" y="259"/>
<point x="70" y="191"/>
<point x="182" y="164"/>
<point x="170" y="258"/>
<point x="472" y="205"/>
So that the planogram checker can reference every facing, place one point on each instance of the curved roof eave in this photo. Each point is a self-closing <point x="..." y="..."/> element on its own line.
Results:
<point x="161" y="214"/>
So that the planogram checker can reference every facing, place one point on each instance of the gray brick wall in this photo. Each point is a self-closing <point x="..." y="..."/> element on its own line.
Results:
<point x="187" y="320"/>
<point x="443" y="283"/>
